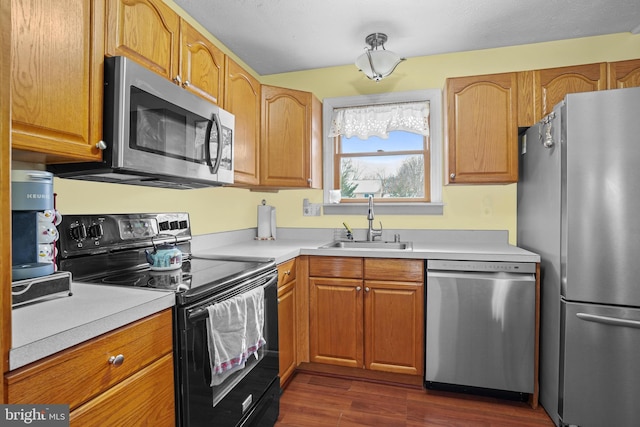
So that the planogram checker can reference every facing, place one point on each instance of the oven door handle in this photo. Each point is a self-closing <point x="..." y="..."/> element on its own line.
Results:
<point x="203" y="313"/>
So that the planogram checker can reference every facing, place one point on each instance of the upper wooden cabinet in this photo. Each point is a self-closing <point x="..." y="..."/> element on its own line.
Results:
<point x="291" y="139"/>
<point x="154" y="35"/>
<point x="201" y="65"/>
<point x="546" y="88"/>
<point x="56" y="83"/>
<point x="482" y="129"/>
<point x="242" y="98"/>
<point x="624" y="74"/>
<point x="146" y="31"/>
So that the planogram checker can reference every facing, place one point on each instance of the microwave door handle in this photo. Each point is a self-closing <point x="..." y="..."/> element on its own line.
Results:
<point x="216" y="120"/>
<point x="207" y="147"/>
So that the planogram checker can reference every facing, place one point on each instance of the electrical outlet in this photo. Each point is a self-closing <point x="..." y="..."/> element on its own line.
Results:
<point x="310" y="209"/>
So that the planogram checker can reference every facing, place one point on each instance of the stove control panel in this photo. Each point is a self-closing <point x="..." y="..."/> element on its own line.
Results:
<point x="90" y="234"/>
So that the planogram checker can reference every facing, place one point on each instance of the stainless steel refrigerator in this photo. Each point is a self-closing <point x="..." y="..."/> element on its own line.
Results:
<point x="579" y="208"/>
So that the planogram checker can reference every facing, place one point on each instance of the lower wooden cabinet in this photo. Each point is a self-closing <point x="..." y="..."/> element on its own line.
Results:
<point x="287" y="320"/>
<point x="124" y="377"/>
<point x="145" y="398"/>
<point x="374" y="321"/>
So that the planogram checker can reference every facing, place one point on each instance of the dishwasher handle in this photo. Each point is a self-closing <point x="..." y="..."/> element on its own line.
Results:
<point x="474" y="275"/>
<point x="613" y="321"/>
<point x="481" y="266"/>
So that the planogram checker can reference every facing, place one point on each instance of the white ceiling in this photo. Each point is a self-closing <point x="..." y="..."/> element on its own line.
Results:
<point x="276" y="36"/>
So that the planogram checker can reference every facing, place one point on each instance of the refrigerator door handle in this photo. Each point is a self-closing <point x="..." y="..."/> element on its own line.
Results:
<point x="614" y="321"/>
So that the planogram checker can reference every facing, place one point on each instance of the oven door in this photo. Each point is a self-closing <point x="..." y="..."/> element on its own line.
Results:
<point x="248" y="397"/>
<point x="160" y="128"/>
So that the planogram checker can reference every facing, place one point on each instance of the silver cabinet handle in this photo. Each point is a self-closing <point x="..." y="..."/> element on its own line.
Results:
<point x="367" y="289"/>
<point x="358" y="288"/>
<point x="177" y="80"/>
<point x="186" y="83"/>
<point x="452" y="176"/>
<point x="614" y="321"/>
<point x="116" y="360"/>
<point x="101" y="145"/>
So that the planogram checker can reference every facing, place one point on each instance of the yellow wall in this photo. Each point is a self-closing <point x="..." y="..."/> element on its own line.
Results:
<point x="466" y="207"/>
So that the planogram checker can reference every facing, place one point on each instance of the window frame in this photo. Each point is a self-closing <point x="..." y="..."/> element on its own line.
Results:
<point x="425" y="152"/>
<point x="435" y="151"/>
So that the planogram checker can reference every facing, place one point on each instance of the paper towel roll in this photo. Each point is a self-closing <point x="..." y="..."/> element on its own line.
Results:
<point x="264" y="221"/>
<point x="273" y="223"/>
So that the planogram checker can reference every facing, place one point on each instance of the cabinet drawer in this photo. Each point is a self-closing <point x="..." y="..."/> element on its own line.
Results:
<point x="146" y="398"/>
<point x="341" y="267"/>
<point x="78" y="374"/>
<point x="409" y="270"/>
<point x="286" y="272"/>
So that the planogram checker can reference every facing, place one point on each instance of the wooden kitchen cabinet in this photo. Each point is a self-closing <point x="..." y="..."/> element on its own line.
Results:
<point x="482" y="129"/>
<point x="291" y="139"/>
<point x="147" y="31"/>
<point x="242" y="98"/>
<point x="394" y="315"/>
<point x="56" y="82"/>
<point x="99" y="391"/>
<point x="154" y="35"/>
<point x="201" y="65"/>
<point x="287" y="338"/>
<point x="549" y="86"/>
<point x="623" y="74"/>
<point x="367" y="313"/>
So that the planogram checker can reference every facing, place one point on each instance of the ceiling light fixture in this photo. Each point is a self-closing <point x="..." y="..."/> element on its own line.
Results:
<point x="376" y="63"/>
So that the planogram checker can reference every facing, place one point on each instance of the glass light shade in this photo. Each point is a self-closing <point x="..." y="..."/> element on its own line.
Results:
<point x="384" y="62"/>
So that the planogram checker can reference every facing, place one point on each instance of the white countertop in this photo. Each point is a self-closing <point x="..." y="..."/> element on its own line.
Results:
<point x="44" y="328"/>
<point x="464" y="247"/>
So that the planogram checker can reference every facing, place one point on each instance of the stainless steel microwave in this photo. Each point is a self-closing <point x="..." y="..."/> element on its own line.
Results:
<point x="157" y="134"/>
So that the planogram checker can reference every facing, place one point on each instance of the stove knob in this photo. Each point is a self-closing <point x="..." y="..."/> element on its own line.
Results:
<point x="96" y="231"/>
<point x="78" y="231"/>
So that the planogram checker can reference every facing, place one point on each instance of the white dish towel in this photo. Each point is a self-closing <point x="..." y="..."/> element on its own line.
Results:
<point x="234" y="332"/>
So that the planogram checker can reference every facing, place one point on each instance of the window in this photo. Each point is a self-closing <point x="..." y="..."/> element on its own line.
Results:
<point x="388" y="146"/>
<point x="382" y="151"/>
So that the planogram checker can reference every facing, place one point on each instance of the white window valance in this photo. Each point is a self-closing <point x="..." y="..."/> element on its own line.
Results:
<point x="379" y="120"/>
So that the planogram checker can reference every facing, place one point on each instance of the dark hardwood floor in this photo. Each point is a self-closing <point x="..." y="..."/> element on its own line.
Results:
<point x="313" y="399"/>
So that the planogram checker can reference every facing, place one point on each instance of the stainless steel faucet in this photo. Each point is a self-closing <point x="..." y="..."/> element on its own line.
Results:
<point x="372" y="233"/>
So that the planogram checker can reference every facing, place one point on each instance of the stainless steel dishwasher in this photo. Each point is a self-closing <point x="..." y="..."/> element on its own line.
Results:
<point x="480" y="326"/>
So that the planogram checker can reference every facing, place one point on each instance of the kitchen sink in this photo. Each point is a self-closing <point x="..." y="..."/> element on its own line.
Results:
<point x="364" y="244"/>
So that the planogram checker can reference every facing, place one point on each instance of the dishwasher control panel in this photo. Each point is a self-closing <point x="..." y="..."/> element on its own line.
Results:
<point x="487" y="266"/>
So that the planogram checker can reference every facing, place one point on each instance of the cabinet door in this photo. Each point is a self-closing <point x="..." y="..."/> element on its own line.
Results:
<point x="393" y="325"/>
<point x="482" y="130"/>
<point x="146" y="398"/>
<point x="624" y="74"/>
<point x="83" y="372"/>
<point x="335" y="321"/>
<point x="286" y="138"/>
<point x="242" y="98"/>
<point x="146" y="31"/>
<point x="552" y="84"/>
<point x="287" y="330"/>
<point x="201" y="65"/>
<point x="56" y="86"/>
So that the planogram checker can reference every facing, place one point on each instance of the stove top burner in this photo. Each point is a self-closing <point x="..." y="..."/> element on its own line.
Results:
<point x="172" y="280"/>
